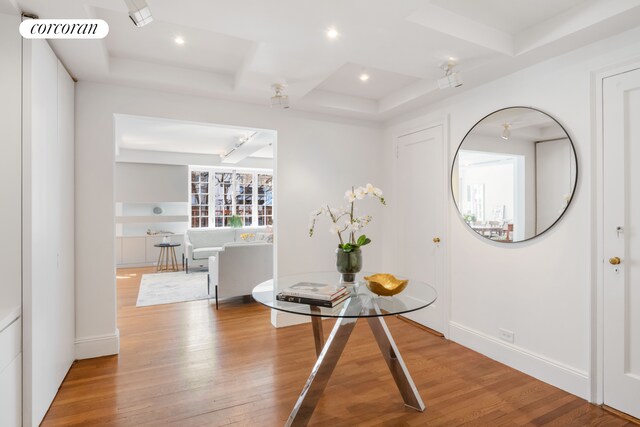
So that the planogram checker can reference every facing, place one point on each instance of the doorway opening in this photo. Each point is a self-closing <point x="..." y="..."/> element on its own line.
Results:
<point x="491" y="187"/>
<point x="194" y="208"/>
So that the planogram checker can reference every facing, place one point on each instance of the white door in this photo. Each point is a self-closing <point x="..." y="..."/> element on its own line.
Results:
<point x="621" y="124"/>
<point x="421" y="188"/>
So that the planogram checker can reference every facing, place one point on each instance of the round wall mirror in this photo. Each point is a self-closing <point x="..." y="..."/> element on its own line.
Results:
<point x="514" y="174"/>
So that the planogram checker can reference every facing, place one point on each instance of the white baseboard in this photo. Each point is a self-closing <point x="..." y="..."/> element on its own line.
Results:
<point x="103" y="345"/>
<point x="550" y="371"/>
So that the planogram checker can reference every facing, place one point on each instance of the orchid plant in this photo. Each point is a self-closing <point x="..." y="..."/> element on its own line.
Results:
<point x="345" y="224"/>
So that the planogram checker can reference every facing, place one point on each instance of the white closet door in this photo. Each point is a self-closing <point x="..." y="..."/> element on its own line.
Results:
<point x="621" y="107"/>
<point x="48" y="256"/>
<point x="421" y="190"/>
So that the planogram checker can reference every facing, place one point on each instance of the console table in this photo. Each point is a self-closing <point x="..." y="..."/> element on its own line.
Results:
<point x="362" y="304"/>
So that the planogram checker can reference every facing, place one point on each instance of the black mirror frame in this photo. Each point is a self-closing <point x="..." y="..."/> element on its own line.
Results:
<point x="573" y="192"/>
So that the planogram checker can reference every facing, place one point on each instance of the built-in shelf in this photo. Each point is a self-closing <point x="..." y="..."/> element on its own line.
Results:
<point x="7" y="315"/>
<point x="151" y="219"/>
<point x="137" y="219"/>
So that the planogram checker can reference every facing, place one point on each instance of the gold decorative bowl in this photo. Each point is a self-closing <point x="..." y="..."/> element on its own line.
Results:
<point x="385" y="284"/>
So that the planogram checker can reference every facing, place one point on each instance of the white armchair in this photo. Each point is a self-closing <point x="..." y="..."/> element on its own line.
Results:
<point x="239" y="267"/>
<point x="201" y="243"/>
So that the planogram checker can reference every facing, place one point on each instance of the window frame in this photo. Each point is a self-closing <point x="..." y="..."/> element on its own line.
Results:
<point x="212" y="170"/>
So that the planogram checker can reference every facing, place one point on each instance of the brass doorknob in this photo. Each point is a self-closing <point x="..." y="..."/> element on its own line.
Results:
<point x="614" y="261"/>
<point x="436" y="240"/>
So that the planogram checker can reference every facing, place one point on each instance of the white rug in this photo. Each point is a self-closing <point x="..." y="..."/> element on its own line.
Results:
<point x="167" y="288"/>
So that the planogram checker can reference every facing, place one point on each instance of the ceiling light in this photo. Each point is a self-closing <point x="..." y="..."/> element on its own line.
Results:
<point x="364" y="77"/>
<point x="332" y="33"/>
<point x="179" y="40"/>
<point x="451" y="78"/>
<point x="506" y="132"/>
<point x="280" y="99"/>
<point x="139" y="12"/>
<point x="241" y="141"/>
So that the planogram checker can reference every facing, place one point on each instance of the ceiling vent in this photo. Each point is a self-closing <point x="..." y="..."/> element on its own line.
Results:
<point x="280" y="99"/>
<point x="139" y="12"/>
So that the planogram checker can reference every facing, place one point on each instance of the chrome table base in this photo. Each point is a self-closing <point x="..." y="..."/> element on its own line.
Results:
<point x="329" y="353"/>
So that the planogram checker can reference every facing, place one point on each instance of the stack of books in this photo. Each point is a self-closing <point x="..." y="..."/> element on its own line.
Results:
<point x="318" y="294"/>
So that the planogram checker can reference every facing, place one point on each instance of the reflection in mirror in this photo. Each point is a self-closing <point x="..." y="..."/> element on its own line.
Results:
<point x="514" y="174"/>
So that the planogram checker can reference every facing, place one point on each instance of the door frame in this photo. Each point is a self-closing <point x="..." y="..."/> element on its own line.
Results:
<point x="422" y="125"/>
<point x="596" y="300"/>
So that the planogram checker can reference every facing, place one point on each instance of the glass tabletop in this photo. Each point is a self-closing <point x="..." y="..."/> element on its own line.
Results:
<point x="361" y="303"/>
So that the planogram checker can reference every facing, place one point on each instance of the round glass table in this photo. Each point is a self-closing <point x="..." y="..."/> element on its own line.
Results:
<point x="361" y="304"/>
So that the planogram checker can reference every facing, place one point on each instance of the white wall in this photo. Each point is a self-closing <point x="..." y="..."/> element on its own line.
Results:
<point x="317" y="159"/>
<point x="149" y="183"/>
<point x="10" y="217"/>
<point x="10" y="170"/>
<point x="555" y="173"/>
<point x="540" y="289"/>
<point x="48" y="228"/>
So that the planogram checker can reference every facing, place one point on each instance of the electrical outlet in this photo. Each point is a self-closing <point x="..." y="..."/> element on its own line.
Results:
<point x="506" y="335"/>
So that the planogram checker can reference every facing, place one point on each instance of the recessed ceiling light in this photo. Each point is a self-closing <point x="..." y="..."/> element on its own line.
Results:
<point x="364" y="77"/>
<point x="332" y="33"/>
<point x="179" y="40"/>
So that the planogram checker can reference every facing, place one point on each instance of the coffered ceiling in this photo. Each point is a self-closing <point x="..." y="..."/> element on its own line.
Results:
<point x="175" y="136"/>
<point x="238" y="49"/>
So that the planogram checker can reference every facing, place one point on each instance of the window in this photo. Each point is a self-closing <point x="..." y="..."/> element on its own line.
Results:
<point x="244" y="198"/>
<point x="217" y="195"/>
<point x="223" y="210"/>
<point x="199" y="199"/>
<point x="265" y="199"/>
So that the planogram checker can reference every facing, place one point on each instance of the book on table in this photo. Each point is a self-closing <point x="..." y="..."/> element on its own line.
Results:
<point x="318" y="291"/>
<point x="312" y="301"/>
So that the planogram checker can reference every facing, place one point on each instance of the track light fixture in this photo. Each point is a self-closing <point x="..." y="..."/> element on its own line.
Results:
<point x="139" y="12"/>
<point x="241" y="141"/>
<point x="280" y="99"/>
<point x="506" y="131"/>
<point x="451" y="77"/>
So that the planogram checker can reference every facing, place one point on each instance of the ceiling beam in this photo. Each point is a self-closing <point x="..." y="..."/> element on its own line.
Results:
<point x="587" y="14"/>
<point x="463" y="28"/>
<point x="338" y="101"/>
<point x="247" y="62"/>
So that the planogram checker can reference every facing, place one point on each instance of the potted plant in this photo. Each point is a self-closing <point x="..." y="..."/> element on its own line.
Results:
<point x="346" y="225"/>
<point x="235" y="221"/>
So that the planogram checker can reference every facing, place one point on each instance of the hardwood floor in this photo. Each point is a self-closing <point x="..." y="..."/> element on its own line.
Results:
<point x="187" y="365"/>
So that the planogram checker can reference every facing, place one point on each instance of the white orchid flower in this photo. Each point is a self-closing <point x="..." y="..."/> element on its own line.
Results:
<point x="344" y="220"/>
<point x="350" y="196"/>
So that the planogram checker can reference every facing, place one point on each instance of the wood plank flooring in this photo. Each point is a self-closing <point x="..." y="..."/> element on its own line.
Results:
<point x="187" y="364"/>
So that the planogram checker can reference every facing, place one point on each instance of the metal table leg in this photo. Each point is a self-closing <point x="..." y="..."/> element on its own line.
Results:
<point x="330" y="354"/>
<point x="322" y="370"/>
<point x="318" y="333"/>
<point x="395" y="363"/>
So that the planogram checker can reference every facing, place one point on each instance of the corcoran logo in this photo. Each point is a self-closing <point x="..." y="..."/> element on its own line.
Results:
<point x="64" y="29"/>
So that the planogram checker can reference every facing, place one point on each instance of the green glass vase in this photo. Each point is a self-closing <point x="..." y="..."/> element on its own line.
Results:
<point x="348" y="264"/>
